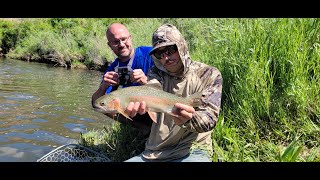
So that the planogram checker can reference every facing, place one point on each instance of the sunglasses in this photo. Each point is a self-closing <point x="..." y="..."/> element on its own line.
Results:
<point x="168" y="50"/>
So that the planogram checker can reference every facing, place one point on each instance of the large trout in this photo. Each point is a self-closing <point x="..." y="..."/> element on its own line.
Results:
<point x="156" y="100"/>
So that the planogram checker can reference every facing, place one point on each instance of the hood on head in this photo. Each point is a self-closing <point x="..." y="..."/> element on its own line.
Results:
<point x="166" y="35"/>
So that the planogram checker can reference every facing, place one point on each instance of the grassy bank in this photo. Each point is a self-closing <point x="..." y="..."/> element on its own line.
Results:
<point x="270" y="104"/>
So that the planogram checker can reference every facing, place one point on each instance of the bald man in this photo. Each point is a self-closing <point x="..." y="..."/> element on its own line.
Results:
<point x="128" y="69"/>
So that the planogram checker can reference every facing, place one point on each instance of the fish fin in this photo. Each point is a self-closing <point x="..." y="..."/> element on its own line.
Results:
<point x="196" y="99"/>
<point x="175" y="112"/>
<point x="153" y="116"/>
<point x="121" y="111"/>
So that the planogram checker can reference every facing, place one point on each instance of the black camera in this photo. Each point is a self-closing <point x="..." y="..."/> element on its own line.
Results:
<point x="124" y="75"/>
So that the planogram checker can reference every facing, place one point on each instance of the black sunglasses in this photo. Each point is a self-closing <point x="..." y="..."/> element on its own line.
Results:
<point x="168" y="50"/>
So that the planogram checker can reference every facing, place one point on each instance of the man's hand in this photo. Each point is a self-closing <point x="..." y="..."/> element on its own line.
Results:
<point x="184" y="113"/>
<point x="111" y="78"/>
<point x="138" y="76"/>
<point x="136" y="107"/>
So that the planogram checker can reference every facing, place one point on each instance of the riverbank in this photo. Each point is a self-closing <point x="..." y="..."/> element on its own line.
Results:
<point x="56" y="59"/>
<point x="71" y="43"/>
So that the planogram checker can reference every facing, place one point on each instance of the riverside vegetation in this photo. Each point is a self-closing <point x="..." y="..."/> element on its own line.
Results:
<point x="270" y="67"/>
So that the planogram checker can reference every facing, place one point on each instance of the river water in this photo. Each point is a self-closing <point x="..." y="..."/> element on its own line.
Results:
<point x="43" y="107"/>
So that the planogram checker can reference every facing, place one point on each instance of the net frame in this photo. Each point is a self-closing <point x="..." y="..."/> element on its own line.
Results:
<point x="73" y="153"/>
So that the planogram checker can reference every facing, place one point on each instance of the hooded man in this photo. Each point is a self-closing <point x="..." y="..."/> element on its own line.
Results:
<point x="187" y="137"/>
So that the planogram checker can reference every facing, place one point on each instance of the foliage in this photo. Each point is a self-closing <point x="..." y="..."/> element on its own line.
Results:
<point x="119" y="142"/>
<point x="291" y="153"/>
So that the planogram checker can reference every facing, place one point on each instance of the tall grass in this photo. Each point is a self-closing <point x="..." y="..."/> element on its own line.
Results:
<point x="270" y="80"/>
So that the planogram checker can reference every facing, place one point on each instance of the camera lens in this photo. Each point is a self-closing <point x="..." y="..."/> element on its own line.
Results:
<point x="124" y="76"/>
<point x="125" y="70"/>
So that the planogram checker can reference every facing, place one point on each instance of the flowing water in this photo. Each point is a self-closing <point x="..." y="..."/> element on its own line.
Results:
<point x="43" y="107"/>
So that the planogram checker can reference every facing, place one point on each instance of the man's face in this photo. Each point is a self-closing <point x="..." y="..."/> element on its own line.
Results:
<point x="169" y="57"/>
<point x="121" y="44"/>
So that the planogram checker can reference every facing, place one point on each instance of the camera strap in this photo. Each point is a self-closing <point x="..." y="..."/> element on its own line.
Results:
<point x="129" y="65"/>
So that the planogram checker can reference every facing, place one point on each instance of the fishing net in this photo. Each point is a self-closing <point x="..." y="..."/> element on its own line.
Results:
<point x="73" y="153"/>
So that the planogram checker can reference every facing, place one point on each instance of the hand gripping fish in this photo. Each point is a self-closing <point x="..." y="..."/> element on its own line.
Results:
<point x="156" y="100"/>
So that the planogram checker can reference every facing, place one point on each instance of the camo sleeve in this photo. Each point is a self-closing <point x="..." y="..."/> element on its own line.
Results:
<point x="155" y="75"/>
<point x="206" y="116"/>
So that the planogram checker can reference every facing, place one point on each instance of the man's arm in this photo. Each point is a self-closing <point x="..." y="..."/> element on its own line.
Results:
<point x="109" y="78"/>
<point x="100" y="92"/>
<point x="205" y="117"/>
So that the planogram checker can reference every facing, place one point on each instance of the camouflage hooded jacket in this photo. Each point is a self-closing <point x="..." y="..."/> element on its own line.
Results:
<point x="168" y="141"/>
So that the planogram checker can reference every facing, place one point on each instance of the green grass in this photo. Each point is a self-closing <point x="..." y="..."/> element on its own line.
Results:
<point x="119" y="142"/>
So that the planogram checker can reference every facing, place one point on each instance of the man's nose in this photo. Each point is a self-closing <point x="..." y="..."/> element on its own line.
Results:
<point x="165" y="58"/>
<point x="121" y="43"/>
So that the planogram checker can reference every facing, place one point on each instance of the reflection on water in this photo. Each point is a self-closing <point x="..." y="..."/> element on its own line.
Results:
<point x="43" y="107"/>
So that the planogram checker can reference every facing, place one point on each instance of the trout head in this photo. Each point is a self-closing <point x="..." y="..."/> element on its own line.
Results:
<point x="107" y="104"/>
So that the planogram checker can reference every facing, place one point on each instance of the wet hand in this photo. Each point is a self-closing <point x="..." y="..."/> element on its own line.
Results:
<point x="136" y="107"/>
<point x="184" y="113"/>
<point x="138" y="76"/>
<point x="111" y="78"/>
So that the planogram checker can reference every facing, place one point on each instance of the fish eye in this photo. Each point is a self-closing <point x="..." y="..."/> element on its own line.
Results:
<point x="102" y="103"/>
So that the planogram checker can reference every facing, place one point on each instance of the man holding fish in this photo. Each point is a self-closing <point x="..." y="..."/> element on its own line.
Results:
<point x="183" y="122"/>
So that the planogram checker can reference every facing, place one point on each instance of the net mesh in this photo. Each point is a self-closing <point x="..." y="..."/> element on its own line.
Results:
<point x="73" y="153"/>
